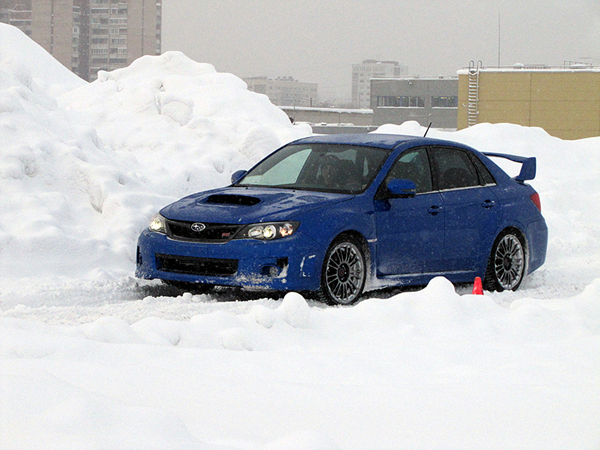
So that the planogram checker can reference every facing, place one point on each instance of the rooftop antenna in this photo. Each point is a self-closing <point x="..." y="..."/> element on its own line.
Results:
<point x="427" y="130"/>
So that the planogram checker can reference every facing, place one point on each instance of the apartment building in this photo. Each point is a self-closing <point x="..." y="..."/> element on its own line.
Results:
<point x="285" y="91"/>
<point x="90" y="35"/>
<point x="370" y="68"/>
<point x="17" y="14"/>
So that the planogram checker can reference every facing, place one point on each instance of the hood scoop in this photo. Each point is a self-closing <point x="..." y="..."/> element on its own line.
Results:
<point x="229" y="199"/>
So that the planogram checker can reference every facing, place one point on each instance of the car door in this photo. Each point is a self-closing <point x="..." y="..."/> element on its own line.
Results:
<point x="410" y="231"/>
<point x="470" y="207"/>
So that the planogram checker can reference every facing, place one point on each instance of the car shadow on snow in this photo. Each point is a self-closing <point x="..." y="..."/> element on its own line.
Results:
<point x="213" y="293"/>
<point x="234" y="294"/>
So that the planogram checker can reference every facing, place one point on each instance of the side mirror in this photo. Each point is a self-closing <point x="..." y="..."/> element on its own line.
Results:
<point x="237" y="176"/>
<point x="400" y="187"/>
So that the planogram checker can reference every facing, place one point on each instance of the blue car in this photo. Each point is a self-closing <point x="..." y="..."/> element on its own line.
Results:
<point x="338" y="215"/>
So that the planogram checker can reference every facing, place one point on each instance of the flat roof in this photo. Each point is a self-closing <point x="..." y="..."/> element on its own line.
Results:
<point x="414" y="79"/>
<point x="519" y="68"/>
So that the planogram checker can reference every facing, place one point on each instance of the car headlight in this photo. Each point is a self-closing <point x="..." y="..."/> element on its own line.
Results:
<point x="268" y="231"/>
<point x="158" y="224"/>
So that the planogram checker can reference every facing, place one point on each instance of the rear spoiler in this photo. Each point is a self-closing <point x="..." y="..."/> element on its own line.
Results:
<point x="528" y="167"/>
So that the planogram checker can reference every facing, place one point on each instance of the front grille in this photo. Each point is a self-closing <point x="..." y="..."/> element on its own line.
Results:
<point x="214" y="232"/>
<point x="189" y="265"/>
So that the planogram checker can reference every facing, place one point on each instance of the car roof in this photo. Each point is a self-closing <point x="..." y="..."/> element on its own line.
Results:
<point x="387" y="141"/>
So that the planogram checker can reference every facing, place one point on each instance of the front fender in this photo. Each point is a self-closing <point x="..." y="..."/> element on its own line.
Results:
<point x="324" y="225"/>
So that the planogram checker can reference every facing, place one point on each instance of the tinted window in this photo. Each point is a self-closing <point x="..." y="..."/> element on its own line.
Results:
<point x="486" y="176"/>
<point x="413" y="165"/>
<point x="453" y="168"/>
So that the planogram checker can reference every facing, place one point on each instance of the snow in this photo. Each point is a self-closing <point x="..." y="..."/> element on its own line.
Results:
<point x="91" y="358"/>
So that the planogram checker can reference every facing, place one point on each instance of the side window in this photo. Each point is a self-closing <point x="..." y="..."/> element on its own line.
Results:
<point x="484" y="172"/>
<point x="413" y="165"/>
<point x="453" y="168"/>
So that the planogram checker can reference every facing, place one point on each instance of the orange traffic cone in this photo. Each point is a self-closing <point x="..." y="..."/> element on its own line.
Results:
<point x="477" y="287"/>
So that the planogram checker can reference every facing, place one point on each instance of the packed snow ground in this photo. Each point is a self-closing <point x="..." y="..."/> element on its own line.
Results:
<point x="91" y="358"/>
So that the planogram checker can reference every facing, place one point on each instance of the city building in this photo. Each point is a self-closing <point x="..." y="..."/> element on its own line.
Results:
<point x="284" y="91"/>
<point x="425" y="100"/>
<point x="370" y="68"/>
<point x="89" y="35"/>
<point x="17" y="14"/>
<point x="564" y="101"/>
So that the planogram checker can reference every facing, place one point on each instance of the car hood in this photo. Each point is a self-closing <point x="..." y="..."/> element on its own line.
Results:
<point x="248" y="205"/>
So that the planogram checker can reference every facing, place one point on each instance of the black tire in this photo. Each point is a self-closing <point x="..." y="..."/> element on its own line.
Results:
<point x="506" y="266"/>
<point x="344" y="272"/>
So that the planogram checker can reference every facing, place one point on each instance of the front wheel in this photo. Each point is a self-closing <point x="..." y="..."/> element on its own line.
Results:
<point x="344" y="272"/>
<point x="506" y="267"/>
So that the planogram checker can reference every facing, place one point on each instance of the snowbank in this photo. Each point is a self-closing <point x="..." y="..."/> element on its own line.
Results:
<point x="24" y="59"/>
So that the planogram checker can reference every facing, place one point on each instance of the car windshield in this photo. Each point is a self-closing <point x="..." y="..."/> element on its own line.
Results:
<point x="347" y="169"/>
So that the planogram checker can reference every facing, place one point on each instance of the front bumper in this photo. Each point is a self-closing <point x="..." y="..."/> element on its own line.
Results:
<point x="288" y="264"/>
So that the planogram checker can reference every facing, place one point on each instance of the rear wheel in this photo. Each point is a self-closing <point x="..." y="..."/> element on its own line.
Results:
<point x="344" y="272"/>
<point x="506" y="267"/>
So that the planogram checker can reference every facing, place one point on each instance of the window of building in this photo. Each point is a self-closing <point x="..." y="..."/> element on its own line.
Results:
<point x="401" y="102"/>
<point x="444" y="102"/>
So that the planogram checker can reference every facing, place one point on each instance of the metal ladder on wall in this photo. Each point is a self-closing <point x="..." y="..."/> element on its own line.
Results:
<point x="473" y="94"/>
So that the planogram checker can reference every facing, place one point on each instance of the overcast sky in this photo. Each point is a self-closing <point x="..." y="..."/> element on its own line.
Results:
<point x="319" y="40"/>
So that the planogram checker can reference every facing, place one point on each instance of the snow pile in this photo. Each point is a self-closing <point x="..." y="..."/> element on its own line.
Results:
<point x="90" y="358"/>
<point x="25" y="60"/>
<point x="189" y="127"/>
<point x="81" y="173"/>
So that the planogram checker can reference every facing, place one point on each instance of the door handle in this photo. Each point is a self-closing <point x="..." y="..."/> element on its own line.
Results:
<point x="433" y="210"/>
<point x="488" y="204"/>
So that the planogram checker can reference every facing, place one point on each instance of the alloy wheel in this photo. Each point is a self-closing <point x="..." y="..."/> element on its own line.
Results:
<point x="509" y="262"/>
<point x="344" y="273"/>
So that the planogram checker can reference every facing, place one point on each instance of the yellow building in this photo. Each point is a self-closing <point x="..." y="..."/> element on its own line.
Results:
<point x="563" y="101"/>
